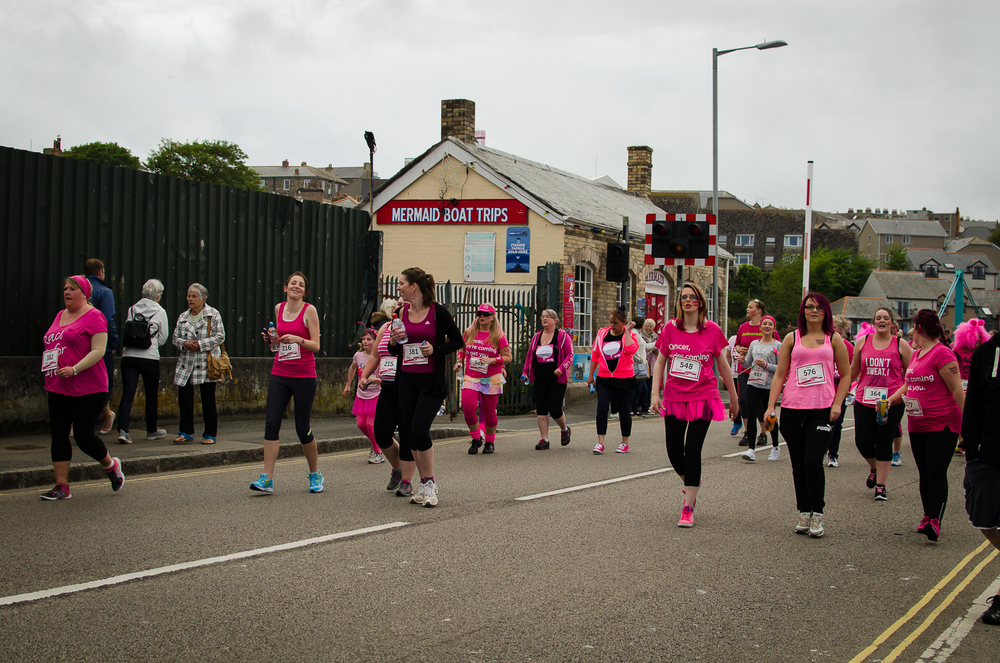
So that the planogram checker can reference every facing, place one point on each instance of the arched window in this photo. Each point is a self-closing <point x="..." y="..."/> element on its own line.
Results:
<point x="583" y="299"/>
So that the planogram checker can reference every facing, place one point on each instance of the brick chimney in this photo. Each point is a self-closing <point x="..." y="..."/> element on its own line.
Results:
<point x="284" y="164"/>
<point x="640" y="170"/>
<point x="458" y="119"/>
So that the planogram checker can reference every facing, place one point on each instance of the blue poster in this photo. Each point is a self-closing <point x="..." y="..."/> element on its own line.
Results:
<point x="640" y="307"/>
<point x="518" y="250"/>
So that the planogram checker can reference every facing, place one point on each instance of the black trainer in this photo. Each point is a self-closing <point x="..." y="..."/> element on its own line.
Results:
<point x="541" y="446"/>
<point x="474" y="446"/>
<point x="395" y="478"/>
<point x="745" y="440"/>
<point x="872" y="479"/>
<point x="488" y="448"/>
<point x="992" y="616"/>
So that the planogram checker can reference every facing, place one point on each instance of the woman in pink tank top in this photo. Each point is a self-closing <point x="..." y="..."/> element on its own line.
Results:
<point x="292" y="375"/>
<point x="810" y="405"/>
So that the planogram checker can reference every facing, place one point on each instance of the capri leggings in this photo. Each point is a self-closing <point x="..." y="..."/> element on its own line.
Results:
<point x="742" y="380"/>
<point x="619" y="390"/>
<point x="756" y="408"/>
<point x="683" y="451"/>
<point x="80" y="412"/>
<point x="471" y="399"/>
<point x="386" y="420"/>
<point x="549" y="398"/>
<point x="874" y="440"/>
<point x="417" y="409"/>
<point x="280" y="390"/>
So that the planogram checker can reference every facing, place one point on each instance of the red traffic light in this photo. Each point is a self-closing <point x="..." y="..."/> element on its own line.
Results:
<point x="695" y="231"/>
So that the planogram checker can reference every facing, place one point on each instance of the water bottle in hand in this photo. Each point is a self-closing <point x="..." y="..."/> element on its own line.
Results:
<point x="272" y="333"/>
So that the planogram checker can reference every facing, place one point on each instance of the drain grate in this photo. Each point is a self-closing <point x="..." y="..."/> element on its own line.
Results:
<point x="25" y="447"/>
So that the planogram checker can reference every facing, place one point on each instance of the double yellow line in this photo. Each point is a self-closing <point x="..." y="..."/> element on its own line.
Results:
<point x="912" y="612"/>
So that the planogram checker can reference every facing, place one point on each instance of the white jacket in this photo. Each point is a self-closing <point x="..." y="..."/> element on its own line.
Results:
<point x="161" y="328"/>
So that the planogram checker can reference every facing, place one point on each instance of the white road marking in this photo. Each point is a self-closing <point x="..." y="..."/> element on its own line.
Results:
<point x="115" y="580"/>
<point x="952" y="637"/>
<point x="592" y="485"/>
<point x="761" y="449"/>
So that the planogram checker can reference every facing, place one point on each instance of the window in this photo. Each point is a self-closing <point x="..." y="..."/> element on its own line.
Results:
<point x="583" y="295"/>
<point x="744" y="240"/>
<point x="869" y="240"/>
<point x="263" y="183"/>
<point x="906" y="239"/>
<point x="723" y="239"/>
<point x="889" y="239"/>
<point x="769" y="260"/>
<point x="793" y="240"/>
<point x="288" y="185"/>
<point x="903" y="309"/>
<point x="770" y="240"/>
<point x="744" y="258"/>
<point x="931" y="271"/>
<point x="627" y="295"/>
<point x="978" y="272"/>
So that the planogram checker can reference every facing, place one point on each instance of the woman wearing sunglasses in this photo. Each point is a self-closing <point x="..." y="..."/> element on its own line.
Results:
<point x="484" y="356"/>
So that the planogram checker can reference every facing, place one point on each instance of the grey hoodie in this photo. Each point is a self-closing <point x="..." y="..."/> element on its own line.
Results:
<point x="161" y="328"/>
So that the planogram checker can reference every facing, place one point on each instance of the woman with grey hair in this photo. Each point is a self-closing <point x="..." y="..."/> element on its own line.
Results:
<point x="146" y="329"/>
<point x="547" y="365"/>
<point x="199" y="331"/>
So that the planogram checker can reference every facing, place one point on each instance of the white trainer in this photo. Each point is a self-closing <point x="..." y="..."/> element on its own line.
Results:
<point x="805" y="518"/>
<point x="430" y="494"/>
<point x="750" y="455"/>
<point x="816" y="526"/>
<point x="775" y="453"/>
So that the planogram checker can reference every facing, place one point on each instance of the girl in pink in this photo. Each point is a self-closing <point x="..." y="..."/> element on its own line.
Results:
<point x="689" y="344"/>
<point x="879" y="362"/>
<point x="76" y="380"/>
<point x="483" y="358"/>
<point x="968" y="336"/>
<point x="366" y="395"/>
<point x="611" y="361"/>
<point x="811" y="404"/>
<point x="293" y="375"/>
<point x="933" y="396"/>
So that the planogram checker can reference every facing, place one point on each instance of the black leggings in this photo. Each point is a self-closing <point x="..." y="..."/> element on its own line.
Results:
<point x="132" y="368"/>
<point x="756" y="410"/>
<point x="417" y="409"/>
<point x="387" y="418"/>
<point x="685" y="453"/>
<point x="620" y="390"/>
<point x="932" y="452"/>
<point x="742" y="380"/>
<point x="807" y="433"/>
<point x="185" y="402"/>
<point x="280" y="390"/>
<point x="549" y="398"/>
<point x="78" y="412"/>
<point x="872" y="439"/>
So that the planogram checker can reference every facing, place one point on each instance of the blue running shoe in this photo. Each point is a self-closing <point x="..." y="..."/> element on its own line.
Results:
<point x="737" y="425"/>
<point x="316" y="482"/>
<point x="264" y="484"/>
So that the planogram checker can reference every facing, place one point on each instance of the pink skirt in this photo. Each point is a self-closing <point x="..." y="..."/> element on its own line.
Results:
<point x="364" y="406"/>
<point x="710" y="409"/>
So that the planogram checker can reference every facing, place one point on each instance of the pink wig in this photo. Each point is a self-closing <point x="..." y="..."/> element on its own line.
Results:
<point x="970" y="334"/>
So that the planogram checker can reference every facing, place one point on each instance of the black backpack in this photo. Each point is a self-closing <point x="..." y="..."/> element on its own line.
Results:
<point x="138" y="333"/>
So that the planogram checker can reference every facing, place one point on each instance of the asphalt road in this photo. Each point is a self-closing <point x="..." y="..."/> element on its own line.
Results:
<point x="602" y="573"/>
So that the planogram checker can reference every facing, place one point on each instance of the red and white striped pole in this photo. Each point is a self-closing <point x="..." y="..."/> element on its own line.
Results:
<point x="807" y="237"/>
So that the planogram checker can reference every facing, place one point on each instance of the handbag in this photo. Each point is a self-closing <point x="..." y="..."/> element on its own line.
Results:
<point x="641" y="369"/>
<point x="219" y="368"/>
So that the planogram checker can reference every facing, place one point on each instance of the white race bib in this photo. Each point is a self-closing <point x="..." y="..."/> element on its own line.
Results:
<point x="810" y="375"/>
<point x="612" y="350"/>
<point x="387" y="367"/>
<point x="873" y="395"/>
<point x="477" y="365"/>
<point x="412" y="356"/>
<point x="685" y="368"/>
<point x="544" y="354"/>
<point x="913" y="408"/>
<point x="289" y="351"/>
<point x="965" y="385"/>
<point x="757" y="376"/>
<point x="50" y="360"/>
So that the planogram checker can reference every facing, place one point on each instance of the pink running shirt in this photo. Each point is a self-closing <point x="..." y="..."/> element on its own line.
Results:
<point x="67" y="346"/>
<point x="292" y="360"/>
<point x="479" y="350"/>
<point x="881" y="371"/>
<point x="929" y="405"/>
<point x="689" y="375"/>
<point x="809" y="384"/>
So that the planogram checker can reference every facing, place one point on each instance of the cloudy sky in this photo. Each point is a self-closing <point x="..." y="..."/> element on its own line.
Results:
<point x="895" y="101"/>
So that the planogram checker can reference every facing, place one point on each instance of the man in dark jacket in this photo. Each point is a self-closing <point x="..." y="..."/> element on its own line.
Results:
<point x="981" y="440"/>
<point x="103" y="299"/>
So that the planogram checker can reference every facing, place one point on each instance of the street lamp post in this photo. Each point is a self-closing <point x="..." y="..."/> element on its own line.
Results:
<point x="714" y="313"/>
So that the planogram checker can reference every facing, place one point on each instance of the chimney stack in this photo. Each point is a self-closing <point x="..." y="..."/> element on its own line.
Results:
<point x="284" y="164"/>
<point x="640" y="170"/>
<point x="458" y="119"/>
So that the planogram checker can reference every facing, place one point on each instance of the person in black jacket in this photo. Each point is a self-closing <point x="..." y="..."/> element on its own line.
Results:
<point x="981" y="440"/>
<point x="422" y="343"/>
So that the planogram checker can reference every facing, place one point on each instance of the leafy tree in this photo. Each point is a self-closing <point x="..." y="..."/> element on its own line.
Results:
<point x="212" y="161"/>
<point x="111" y="154"/>
<point x="995" y="236"/>
<point x="896" y="258"/>
<point x="746" y="285"/>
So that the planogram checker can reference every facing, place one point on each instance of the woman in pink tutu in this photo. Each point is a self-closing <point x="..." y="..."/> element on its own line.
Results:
<point x="688" y="345"/>
<point x="366" y="397"/>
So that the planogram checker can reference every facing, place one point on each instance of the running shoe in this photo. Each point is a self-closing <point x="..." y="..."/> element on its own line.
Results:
<point x="598" y="448"/>
<point x="264" y="484"/>
<point x="316" y="482"/>
<point x="622" y="449"/>
<point x="405" y="488"/>
<point x="775" y="454"/>
<point x="687" y="517"/>
<point x="897" y="460"/>
<point x="418" y="497"/>
<point x="880" y="495"/>
<point x="923" y="523"/>
<point x="992" y="616"/>
<point x="542" y="445"/>
<point x="488" y="448"/>
<point x="959" y="451"/>
<point x="474" y="446"/>
<point x="745" y="440"/>
<point x="156" y="434"/>
<point x="430" y="494"/>
<point x="932" y="530"/>
<point x="816" y="526"/>
<point x="872" y="479"/>
<point x="737" y="425"/>
<point x="124" y="437"/>
<point x="750" y="455"/>
<point x="564" y="436"/>
<point x="60" y="492"/>
<point x="375" y="457"/>
<point x="804" y="519"/>
<point x="833" y="462"/>
<point x="395" y="478"/>
<point x="762" y="440"/>
<point x="115" y="474"/>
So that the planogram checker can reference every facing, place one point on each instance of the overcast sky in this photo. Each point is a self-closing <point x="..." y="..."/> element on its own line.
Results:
<point x="896" y="101"/>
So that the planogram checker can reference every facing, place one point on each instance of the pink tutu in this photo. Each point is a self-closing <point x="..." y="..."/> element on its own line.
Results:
<point x="709" y="409"/>
<point x="364" y="406"/>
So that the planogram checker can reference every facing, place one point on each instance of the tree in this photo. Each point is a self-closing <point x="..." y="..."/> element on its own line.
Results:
<point x="111" y="154"/>
<point x="212" y="161"/>
<point x="896" y="260"/>
<point x="995" y="236"/>
<point x="746" y="285"/>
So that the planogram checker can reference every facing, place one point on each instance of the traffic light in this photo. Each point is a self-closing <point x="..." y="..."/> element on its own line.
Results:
<point x="617" y="263"/>
<point x="680" y="239"/>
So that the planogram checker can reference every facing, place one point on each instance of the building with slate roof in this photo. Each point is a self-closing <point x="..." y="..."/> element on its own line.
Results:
<point x="911" y="291"/>
<point x="303" y="182"/>
<point x="979" y="272"/>
<point x="859" y="309"/>
<point x="877" y="235"/>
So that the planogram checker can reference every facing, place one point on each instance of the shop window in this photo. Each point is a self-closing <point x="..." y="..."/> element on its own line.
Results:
<point x="583" y="299"/>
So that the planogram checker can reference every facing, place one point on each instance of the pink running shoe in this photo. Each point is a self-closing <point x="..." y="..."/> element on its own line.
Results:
<point x="687" y="517"/>
<point x="598" y="448"/>
<point x="923" y="524"/>
<point x="622" y="449"/>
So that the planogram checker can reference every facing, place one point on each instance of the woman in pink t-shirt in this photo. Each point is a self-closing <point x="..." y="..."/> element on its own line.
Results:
<point x="485" y="354"/>
<point x="689" y="344"/>
<point x="933" y="396"/>
<point x="77" y="383"/>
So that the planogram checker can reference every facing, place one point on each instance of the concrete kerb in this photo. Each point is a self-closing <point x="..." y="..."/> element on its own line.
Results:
<point x="197" y="458"/>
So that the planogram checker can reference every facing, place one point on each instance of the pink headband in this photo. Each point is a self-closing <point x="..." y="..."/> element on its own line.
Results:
<point x="84" y="284"/>
<point x="773" y="321"/>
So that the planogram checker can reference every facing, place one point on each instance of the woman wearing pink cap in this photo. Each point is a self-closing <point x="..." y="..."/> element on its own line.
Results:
<point x="611" y="362"/>
<point x="485" y="353"/>
<point x="77" y="384"/>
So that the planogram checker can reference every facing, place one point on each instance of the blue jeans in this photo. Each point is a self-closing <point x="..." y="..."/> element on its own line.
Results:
<point x="132" y="368"/>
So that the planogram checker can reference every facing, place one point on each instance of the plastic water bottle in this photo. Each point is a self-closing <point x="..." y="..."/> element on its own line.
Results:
<point x="398" y="324"/>
<point x="592" y="390"/>
<point x="524" y="380"/>
<point x="273" y="335"/>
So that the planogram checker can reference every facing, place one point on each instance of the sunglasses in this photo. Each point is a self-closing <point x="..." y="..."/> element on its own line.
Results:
<point x="483" y="314"/>
<point x="687" y="297"/>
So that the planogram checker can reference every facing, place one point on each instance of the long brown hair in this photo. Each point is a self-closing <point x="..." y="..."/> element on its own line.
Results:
<point x="702" y="306"/>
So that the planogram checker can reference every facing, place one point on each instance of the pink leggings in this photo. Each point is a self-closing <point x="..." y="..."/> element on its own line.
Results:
<point x="472" y="399"/>
<point x="364" y="414"/>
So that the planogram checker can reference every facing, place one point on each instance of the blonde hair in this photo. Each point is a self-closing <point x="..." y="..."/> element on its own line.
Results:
<point x="702" y="306"/>
<point x="495" y="331"/>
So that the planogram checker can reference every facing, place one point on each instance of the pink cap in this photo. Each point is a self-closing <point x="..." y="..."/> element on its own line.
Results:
<point x="486" y="308"/>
